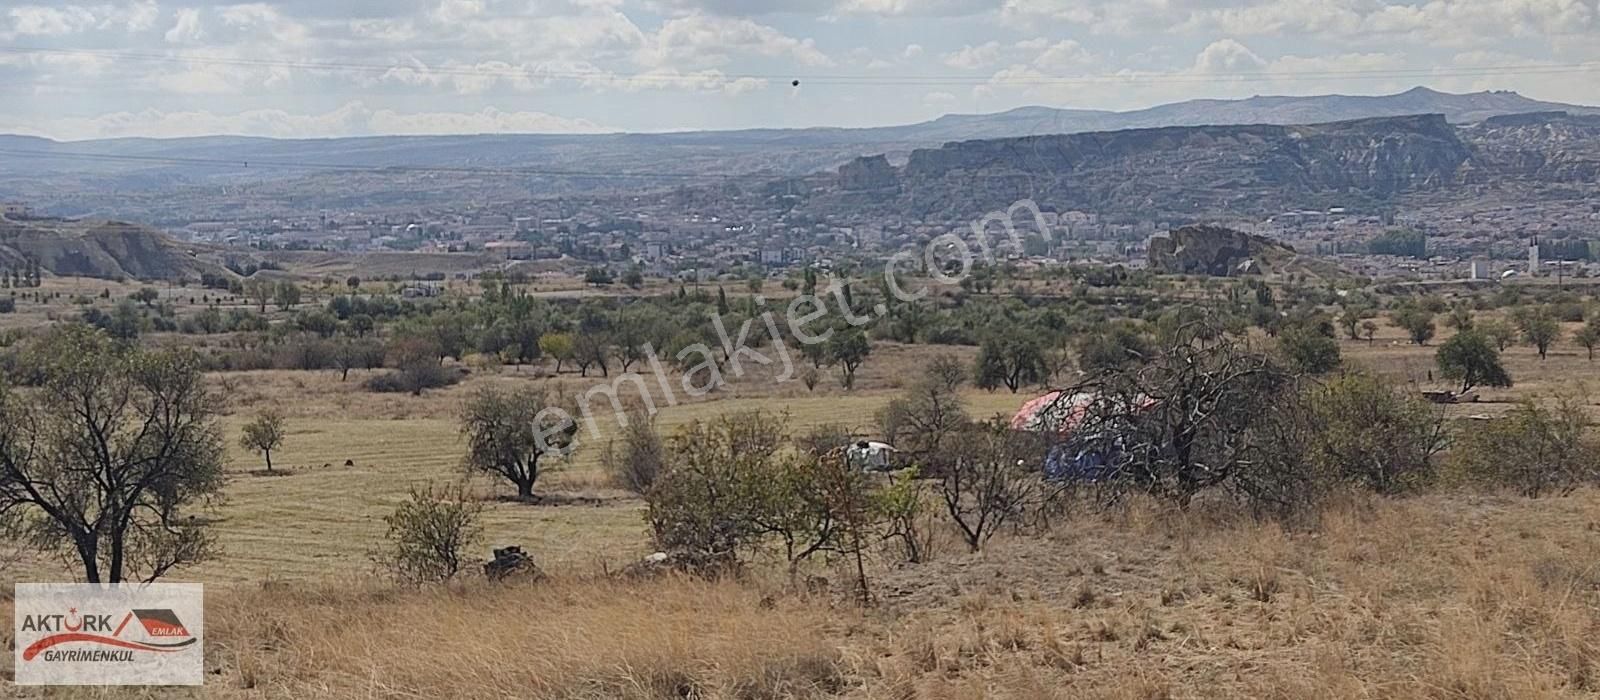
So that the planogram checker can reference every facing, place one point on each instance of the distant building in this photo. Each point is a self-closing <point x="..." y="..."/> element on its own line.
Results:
<point x="14" y="209"/>
<point x="1478" y="270"/>
<point x="1533" y="257"/>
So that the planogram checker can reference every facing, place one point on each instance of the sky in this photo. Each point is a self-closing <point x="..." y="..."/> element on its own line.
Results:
<point x="318" y="68"/>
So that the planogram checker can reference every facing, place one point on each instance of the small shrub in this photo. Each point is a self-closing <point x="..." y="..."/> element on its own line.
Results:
<point x="1534" y="449"/>
<point x="431" y="534"/>
<point x="638" y="461"/>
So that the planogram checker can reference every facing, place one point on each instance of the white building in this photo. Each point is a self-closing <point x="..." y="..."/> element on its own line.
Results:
<point x="1478" y="270"/>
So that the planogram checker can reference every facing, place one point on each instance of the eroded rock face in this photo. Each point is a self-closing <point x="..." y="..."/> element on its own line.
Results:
<point x="1213" y="250"/>
<point x="867" y="173"/>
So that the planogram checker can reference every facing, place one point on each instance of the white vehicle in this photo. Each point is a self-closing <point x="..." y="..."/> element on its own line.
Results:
<point x="871" y="456"/>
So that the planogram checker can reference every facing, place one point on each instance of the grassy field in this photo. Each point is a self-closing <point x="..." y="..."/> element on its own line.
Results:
<point x="1444" y="596"/>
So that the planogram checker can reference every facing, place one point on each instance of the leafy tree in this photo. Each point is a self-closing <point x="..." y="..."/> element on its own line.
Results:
<point x="1469" y="358"/>
<point x="634" y="277"/>
<point x="592" y="349"/>
<point x="1539" y="328"/>
<point x="1588" y="336"/>
<point x="559" y="346"/>
<point x="598" y="277"/>
<point x="1459" y="318"/>
<point x="1404" y="243"/>
<point x="106" y="458"/>
<point x="264" y="434"/>
<point x="431" y="533"/>
<point x="1309" y="350"/>
<point x="146" y="295"/>
<point x="639" y="460"/>
<point x="1417" y="322"/>
<point x="1009" y="358"/>
<point x="1350" y="320"/>
<point x="361" y="324"/>
<point x="286" y="295"/>
<point x="509" y="431"/>
<point x="1498" y="332"/>
<point x="353" y="282"/>
<point x="260" y="291"/>
<point x="1119" y="346"/>
<point x="848" y="349"/>
<point x="1369" y="329"/>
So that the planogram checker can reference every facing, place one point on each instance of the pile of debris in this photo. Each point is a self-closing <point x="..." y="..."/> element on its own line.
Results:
<point x="511" y="562"/>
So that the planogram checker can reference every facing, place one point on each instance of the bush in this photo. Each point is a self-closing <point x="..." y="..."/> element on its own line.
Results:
<point x="1374" y="435"/>
<point x="637" y="463"/>
<point x="1533" y="449"/>
<point x="708" y="502"/>
<point x="413" y="380"/>
<point x="431" y="534"/>
<point x="8" y="305"/>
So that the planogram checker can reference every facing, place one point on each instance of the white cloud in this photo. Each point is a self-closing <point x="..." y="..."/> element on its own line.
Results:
<point x="970" y="57"/>
<point x="1227" y="56"/>
<point x="708" y="40"/>
<point x="187" y="29"/>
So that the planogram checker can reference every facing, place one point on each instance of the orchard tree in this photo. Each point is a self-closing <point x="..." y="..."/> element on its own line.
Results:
<point x="848" y="349"/>
<point x="1009" y="358"/>
<point x="107" y="459"/>
<point x="286" y="295"/>
<point x="509" y="431"/>
<point x="263" y="435"/>
<point x="1369" y="329"/>
<point x="1539" y="328"/>
<point x="1588" y="336"/>
<point x="1417" y="322"/>
<point x="558" y="346"/>
<point x="1498" y="332"/>
<point x="1469" y="358"/>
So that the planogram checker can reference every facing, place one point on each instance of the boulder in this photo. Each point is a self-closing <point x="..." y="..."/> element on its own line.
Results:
<point x="1214" y="250"/>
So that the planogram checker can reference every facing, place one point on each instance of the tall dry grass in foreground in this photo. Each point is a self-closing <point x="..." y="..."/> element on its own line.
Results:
<point x="1439" y="597"/>
<point x="567" y="639"/>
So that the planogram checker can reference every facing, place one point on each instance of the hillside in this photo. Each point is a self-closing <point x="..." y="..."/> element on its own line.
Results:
<point x="101" y="249"/>
<point x="1192" y="173"/>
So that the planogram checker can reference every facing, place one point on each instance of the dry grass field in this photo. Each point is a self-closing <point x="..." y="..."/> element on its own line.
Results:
<point x="1444" y="596"/>
<point x="1448" y="596"/>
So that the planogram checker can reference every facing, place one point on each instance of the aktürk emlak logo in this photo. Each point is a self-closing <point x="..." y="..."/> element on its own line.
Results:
<point x="82" y="634"/>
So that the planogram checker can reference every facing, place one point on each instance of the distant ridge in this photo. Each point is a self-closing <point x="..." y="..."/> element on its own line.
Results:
<point x="72" y="178"/>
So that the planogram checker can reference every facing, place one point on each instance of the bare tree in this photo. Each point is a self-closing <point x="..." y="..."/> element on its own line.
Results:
<point x="920" y="421"/>
<point x="105" y="459"/>
<point x="1180" y="423"/>
<point x="989" y="481"/>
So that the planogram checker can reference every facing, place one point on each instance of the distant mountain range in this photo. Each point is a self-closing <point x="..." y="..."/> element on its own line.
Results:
<point x="77" y="178"/>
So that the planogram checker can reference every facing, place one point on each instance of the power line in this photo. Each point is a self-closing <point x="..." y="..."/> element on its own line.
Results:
<point x="829" y="79"/>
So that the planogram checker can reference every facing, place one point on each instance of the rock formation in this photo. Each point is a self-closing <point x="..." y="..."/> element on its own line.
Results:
<point x="1214" y="251"/>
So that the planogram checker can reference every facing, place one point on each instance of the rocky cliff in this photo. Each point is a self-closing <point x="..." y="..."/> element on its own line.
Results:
<point x="1196" y="173"/>
<point x="104" y="249"/>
